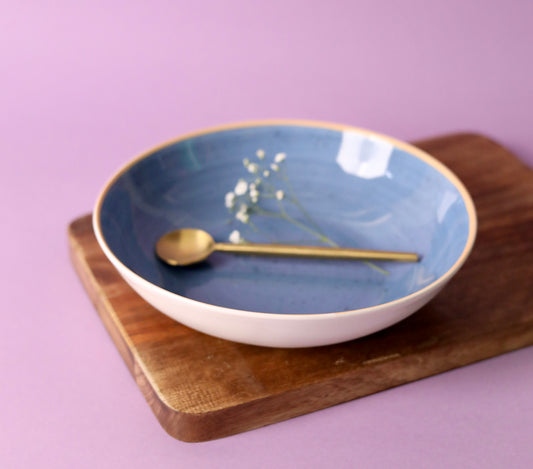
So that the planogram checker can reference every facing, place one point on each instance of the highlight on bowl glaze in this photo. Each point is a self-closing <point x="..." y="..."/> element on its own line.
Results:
<point x="288" y="182"/>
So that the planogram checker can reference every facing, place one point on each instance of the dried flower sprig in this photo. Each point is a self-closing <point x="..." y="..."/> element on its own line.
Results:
<point x="270" y="181"/>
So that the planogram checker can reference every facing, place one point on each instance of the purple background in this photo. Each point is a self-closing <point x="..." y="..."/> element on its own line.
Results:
<point x="85" y="86"/>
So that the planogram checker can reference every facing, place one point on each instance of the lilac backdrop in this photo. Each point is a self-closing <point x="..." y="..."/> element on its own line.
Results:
<point x="85" y="86"/>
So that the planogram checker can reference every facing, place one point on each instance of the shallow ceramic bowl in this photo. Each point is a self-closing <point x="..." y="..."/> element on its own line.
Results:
<point x="292" y="182"/>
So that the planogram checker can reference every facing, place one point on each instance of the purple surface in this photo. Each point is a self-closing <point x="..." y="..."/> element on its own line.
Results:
<point x="84" y="88"/>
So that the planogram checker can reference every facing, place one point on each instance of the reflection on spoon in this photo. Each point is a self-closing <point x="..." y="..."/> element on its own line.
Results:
<point x="189" y="246"/>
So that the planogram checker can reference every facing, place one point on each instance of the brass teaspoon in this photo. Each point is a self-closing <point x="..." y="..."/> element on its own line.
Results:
<point x="189" y="245"/>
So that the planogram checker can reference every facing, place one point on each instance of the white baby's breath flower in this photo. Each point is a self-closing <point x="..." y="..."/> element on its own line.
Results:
<point x="266" y="173"/>
<point x="235" y="237"/>
<point x="257" y="181"/>
<point x="229" y="199"/>
<point x="243" y="217"/>
<point x="241" y="187"/>
<point x="280" y="194"/>
<point x="280" y="157"/>
<point x="260" y="154"/>
<point x="242" y="214"/>
<point x="246" y="162"/>
<point x="254" y="195"/>
<point x="274" y="167"/>
<point x="253" y="168"/>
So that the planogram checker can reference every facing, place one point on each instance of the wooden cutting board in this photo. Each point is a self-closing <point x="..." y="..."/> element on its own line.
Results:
<point x="201" y="388"/>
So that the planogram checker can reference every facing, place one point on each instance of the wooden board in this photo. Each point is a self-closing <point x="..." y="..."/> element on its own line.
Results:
<point x="201" y="388"/>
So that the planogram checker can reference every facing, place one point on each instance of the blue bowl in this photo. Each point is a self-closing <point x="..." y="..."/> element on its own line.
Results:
<point x="288" y="182"/>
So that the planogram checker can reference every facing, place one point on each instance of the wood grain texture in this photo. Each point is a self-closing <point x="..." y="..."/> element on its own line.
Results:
<point x="201" y="388"/>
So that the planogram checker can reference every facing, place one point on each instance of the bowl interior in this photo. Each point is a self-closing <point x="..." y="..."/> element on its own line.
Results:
<point x="305" y="185"/>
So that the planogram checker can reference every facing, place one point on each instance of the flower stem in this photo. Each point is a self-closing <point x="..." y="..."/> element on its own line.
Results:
<point x="295" y="200"/>
<point x="283" y="215"/>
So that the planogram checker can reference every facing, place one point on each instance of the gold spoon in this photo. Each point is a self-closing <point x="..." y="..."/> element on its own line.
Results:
<point x="189" y="245"/>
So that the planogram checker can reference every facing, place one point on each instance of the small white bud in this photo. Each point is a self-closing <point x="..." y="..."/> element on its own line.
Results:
<point x="242" y="214"/>
<point x="241" y="187"/>
<point x="266" y="173"/>
<point x="254" y="195"/>
<point x="280" y="157"/>
<point x="229" y="199"/>
<point x="242" y="217"/>
<point x="253" y="168"/>
<point x="280" y="194"/>
<point x="274" y="167"/>
<point x="235" y="237"/>
<point x="260" y="154"/>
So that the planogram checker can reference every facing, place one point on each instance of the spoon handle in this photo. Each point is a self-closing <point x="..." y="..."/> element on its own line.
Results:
<point x="316" y="252"/>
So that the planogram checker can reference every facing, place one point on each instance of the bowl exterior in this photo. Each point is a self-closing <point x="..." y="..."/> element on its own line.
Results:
<point x="285" y="331"/>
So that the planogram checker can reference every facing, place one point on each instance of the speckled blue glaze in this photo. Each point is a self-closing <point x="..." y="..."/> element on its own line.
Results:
<point x="405" y="204"/>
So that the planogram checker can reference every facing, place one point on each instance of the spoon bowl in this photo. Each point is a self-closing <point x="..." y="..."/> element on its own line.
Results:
<point x="184" y="247"/>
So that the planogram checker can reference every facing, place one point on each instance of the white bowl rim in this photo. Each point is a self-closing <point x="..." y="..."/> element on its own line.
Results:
<point x="413" y="150"/>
